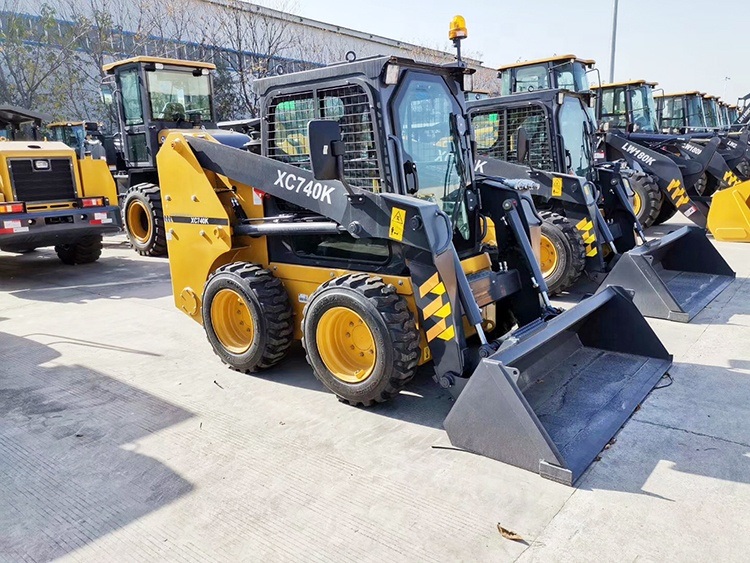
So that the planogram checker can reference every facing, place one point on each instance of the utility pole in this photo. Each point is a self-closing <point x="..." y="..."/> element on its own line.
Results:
<point x="614" y="44"/>
<point x="726" y="83"/>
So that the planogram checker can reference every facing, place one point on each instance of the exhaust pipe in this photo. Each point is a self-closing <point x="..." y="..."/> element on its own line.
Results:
<point x="553" y="396"/>
<point x="675" y="277"/>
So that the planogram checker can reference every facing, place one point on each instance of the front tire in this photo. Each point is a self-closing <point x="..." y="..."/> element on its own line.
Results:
<point x="647" y="199"/>
<point x="83" y="251"/>
<point x="247" y="316"/>
<point x="562" y="254"/>
<point x="144" y="219"/>
<point x="360" y="339"/>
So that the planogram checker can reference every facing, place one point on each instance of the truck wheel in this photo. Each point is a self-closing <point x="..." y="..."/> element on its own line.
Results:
<point x="360" y="339"/>
<point x="666" y="212"/>
<point x="562" y="255"/>
<point x="647" y="198"/>
<point x="83" y="251"/>
<point x="247" y="316"/>
<point x="144" y="220"/>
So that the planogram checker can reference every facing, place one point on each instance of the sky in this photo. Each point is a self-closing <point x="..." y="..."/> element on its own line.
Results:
<point x="683" y="45"/>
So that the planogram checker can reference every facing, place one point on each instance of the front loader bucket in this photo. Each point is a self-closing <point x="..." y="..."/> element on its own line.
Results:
<point x="551" y="401"/>
<point x="675" y="277"/>
<point x="729" y="216"/>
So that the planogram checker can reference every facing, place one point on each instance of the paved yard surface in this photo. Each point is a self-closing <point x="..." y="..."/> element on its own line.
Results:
<point x="122" y="437"/>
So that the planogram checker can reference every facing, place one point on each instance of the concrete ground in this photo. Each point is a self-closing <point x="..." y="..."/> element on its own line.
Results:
<point x="122" y="437"/>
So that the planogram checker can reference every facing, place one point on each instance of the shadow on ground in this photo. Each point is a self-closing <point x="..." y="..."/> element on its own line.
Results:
<point x="40" y="276"/>
<point x="69" y="473"/>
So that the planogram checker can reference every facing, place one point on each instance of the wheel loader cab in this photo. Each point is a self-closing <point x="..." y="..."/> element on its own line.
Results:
<point x="153" y="95"/>
<point x="565" y="72"/>
<point x="681" y="112"/>
<point x="627" y="106"/>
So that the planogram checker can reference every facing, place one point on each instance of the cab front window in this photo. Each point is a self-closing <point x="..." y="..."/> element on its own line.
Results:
<point x="179" y="95"/>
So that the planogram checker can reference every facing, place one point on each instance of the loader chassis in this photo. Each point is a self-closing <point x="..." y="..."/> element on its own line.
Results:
<point x="359" y="230"/>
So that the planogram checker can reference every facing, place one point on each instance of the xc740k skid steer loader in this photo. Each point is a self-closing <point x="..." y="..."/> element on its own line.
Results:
<point x="673" y="278"/>
<point x="355" y="231"/>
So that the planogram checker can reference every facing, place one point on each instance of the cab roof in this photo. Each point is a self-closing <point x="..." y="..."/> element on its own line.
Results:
<point x="553" y="59"/>
<point x="639" y="82"/>
<point x="109" y="68"/>
<point x="88" y="124"/>
<point x="16" y="116"/>
<point x="678" y="94"/>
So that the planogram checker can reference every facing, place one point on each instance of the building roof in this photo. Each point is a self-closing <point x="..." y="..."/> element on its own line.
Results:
<point x="553" y="59"/>
<point x="678" y="94"/>
<point x="174" y="62"/>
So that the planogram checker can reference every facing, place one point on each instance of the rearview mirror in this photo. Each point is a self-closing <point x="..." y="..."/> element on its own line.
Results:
<point x="326" y="147"/>
<point x="522" y="145"/>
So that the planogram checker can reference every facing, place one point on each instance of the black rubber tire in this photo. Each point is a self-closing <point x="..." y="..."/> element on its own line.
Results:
<point x="743" y="169"/>
<point x="667" y="211"/>
<point x="149" y="196"/>
<point x="571" y="251"/>
<point x="650" y="195"/>
<point x="393" y="328"/>
<point x="270" y="309"/>
<point x="83" y="251"/>
<point x="701" y="184"/>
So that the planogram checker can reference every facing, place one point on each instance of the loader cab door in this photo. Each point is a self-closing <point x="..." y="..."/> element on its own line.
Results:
<point x="137" y="139"/>
<point x="571" y="76"/>
<point x="710" y="113"/>
<point x="576" y="132"/>
<point x="642" y="109"/>
<point x="430" y="126"/>
<point x="612" y="107"/>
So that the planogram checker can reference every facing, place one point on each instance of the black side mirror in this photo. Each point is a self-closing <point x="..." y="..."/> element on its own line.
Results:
<point x="522" y="145"/>
<point x="326" y="146"/>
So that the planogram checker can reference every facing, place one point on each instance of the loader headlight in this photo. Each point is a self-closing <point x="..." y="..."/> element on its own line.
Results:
<point x="41" y="165"/>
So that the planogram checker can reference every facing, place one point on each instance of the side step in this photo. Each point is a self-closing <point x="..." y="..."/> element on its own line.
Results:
<point x="673" y="278"/>
<point x="550" y="400"/>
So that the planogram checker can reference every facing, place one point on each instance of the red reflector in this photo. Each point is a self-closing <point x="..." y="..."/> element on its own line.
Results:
<point x="96" y="222"/>
<point x="11" y="208"/>
<point x="92" y="202"/>
<point x="6" y="231"/>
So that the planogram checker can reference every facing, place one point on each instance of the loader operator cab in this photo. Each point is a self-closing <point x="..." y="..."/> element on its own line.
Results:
<point x="19" y="124"/>
<point x="564" y="72"/>
<point x="681" y="112"/>
<point x="415" y="143"/>
<point x="566" y="147"/>
<point x="627" y="106"/>
<point x="153" y="94"/>
<point x="85" y="137"/>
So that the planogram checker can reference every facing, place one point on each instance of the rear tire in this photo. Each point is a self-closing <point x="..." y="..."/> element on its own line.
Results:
<point x="144" y="219"/>
<point x="648" y="198"/>
<point x="360" y="338"/>
<point x="743" y="170"/>
<point x="563" y="252"/>
<point x="247" y="316"/>
<point x="83" y="251"/>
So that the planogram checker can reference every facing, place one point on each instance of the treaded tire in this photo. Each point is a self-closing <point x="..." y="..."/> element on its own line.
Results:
<point x="83" y="251"/>
<point x="393" y="329"/>
<point x="743" y="170"/>
<point x="570" y="248"/>
<point x="270" y="310"/>
<point x="151" y="236"/>
<point x="650" y="195"/>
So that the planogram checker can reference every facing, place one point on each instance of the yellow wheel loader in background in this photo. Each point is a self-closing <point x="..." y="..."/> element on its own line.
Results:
<point x="357" y="232"/>
<point x="152" y="96"/>
<point x="50" y="195"/>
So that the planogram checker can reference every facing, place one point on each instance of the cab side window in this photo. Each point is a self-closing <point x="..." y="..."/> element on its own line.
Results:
<point x="613" y="106"/>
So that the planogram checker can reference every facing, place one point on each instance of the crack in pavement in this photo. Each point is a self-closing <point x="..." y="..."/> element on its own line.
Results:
<point x="691" y="432"/>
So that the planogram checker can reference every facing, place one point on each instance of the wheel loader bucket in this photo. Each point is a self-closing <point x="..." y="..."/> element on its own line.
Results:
<point x="729" y="216"/>
<point x="552" y="398"/>
<point x="674" y="277"/>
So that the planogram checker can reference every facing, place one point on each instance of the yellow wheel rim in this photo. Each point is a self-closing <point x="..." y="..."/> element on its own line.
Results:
<point x="232" y="321"/>
<point x="139" y="221"/>
<point x="548" y="256"/>
<point x="346" y="345"/>
<point x="637" y="203"/>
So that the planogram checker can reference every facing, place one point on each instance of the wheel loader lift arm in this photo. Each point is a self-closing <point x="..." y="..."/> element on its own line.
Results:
<point x="442" y="290"/>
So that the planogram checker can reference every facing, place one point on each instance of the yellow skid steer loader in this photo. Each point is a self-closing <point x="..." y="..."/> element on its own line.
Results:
<point x="365" y="242"/>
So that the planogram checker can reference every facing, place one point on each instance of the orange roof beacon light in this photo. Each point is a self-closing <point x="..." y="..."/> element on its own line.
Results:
<point x="456" y="33"/>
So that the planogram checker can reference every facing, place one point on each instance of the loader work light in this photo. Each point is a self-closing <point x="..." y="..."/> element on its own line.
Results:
<point x="458" y="28"/>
